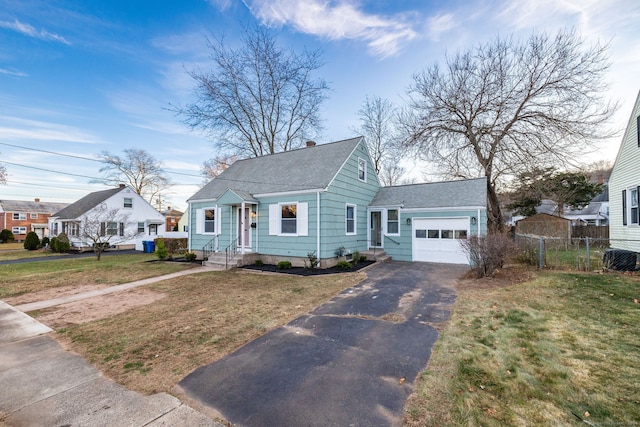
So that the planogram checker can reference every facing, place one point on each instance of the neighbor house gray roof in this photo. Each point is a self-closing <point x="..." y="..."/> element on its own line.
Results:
<point x="296" y="170"/>
<point x="469" y="192"/>
<point x="30" y="207"/>
<point x="87" y="203"/>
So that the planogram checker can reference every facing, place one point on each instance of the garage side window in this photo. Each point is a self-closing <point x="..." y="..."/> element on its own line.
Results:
<point x="392" y="222"/>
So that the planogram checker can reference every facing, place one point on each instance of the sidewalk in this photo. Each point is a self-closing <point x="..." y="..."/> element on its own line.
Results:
<point x="44" y="385"/>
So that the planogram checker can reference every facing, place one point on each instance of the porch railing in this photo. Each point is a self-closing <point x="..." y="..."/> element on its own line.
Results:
<point x="209" y="248"/>
<point x="230" y="253"/>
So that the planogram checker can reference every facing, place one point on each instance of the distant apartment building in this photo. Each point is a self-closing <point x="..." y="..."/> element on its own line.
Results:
<point x="22" y="216"/>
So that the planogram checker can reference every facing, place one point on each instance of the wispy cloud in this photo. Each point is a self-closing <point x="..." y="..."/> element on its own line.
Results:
<point x="15" y="73"/>
<point x="14" y="128"/>
<point x="385" y="35"/>
<point x="437" y="25"/>
<point x="29" y="30"/>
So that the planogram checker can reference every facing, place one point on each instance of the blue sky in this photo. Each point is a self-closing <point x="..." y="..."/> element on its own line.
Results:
<point x="80" y="77"/>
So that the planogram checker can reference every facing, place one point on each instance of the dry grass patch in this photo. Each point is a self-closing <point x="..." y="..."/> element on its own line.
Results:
<point x="553" y="350"/>
<point x="202" y="318"/>
<point x="33" y="277"/>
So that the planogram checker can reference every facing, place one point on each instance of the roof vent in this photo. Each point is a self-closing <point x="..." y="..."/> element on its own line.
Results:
<point x="311" y="143"/>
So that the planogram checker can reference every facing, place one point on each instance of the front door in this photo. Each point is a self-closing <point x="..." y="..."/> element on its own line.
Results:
<point x="376" y="229"/>
<point x="244" y="222"/>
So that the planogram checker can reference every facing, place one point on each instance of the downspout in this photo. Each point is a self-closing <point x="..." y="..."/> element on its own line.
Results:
<point x="318" y="225"/>
<point x="241" y="221"/>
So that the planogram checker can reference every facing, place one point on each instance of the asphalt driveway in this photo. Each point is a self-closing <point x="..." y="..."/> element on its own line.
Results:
<point x="350" y="362"/>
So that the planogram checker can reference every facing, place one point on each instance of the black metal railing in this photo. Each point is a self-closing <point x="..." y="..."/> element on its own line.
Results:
<point x="230" y="253"/>
<point x="209" y="248"/>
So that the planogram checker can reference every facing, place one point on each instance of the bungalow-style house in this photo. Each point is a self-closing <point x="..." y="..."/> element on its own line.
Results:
<point x="624" y="188"/>
<point x="21" y="217"/>
<point x="326" y="200"/>
<point x="118" y="212"/>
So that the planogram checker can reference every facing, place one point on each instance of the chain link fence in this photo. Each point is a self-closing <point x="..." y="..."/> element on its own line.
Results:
<point x="585" y="253"/>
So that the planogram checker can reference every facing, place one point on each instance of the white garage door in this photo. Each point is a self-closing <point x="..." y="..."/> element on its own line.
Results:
<point x="438" y="240"/>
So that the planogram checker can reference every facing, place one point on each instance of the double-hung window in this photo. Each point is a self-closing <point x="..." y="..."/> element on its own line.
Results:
<point x="633" y="205"/>
<point x="141" y="227"/>
<point x="19" y="230"/>
<point x="350" y="219"/>
<point x="393" y="225"/>
<point x="288" y="219"/>
<point x="19" y="216"/>
<point x="111" y="229"/>
<point x="362" y="170"/>
<point x="209" y="220"/>
<point x="33" y="216"/>
<point x="128" y="202"/>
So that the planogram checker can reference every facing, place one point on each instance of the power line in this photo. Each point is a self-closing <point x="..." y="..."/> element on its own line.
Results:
<point x="53" y="171"/>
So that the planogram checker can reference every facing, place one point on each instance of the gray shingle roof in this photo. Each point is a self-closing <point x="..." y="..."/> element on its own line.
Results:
<point x="85" y="204"/>
<point x="303" y="169"/>
<point x="31" y="206"/>
<point x="469" y="192"/>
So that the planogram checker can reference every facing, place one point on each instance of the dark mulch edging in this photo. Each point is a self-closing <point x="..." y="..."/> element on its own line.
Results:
<point x="301" y="271"/>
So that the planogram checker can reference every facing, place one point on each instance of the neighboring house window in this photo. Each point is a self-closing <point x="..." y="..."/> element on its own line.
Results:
<point x="19" y="216"/>
<point x="210" y="221"/>
<point x="633" y="206"/>
<point x="362" y="169"/>
<point x="74" y="229"/>
<point x="19" y="230"/>
<point x="351" y="219"/>
<point x="392" y="221"/>
<point x="128" y="202"/>
<point x="55" y="228"/>
<point x="112" y="229"/>
<point x="34" y="216"/>
<point x="288" y="219"/>
<point x="141" y="227"/>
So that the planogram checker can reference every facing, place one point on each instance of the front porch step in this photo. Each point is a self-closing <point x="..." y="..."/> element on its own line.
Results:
<point x="378" y="255"/>
<point x="217" y="261"/>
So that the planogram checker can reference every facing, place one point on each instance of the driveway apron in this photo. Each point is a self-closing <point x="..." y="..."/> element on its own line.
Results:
<point x="350" y="362"/>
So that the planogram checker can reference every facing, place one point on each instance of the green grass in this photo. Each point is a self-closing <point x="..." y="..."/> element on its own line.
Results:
<point x="23" y="278"/>
<point x="545" y="352"/>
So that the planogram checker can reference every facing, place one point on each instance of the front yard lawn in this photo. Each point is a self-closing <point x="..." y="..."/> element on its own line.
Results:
<point x="563" y="349"/>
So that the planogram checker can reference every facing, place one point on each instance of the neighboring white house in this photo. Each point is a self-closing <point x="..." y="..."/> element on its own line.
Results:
<point x="118" y="212"/>
<point x="624" y="188"/>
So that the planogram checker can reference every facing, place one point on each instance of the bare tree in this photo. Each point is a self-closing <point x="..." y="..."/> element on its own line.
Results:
<point x="214" y="167"/>
<point x="258" y="99"/>
<point x="102" y="227"/>
<point x="3" y="175"/>
<point x="507" y="107"/>
<point x="137" y="168"/>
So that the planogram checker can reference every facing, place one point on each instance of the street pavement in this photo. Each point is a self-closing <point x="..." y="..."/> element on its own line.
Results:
<point x="351" y="362"/>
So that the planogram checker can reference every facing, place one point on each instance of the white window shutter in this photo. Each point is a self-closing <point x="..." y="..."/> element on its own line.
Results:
<point x="274" y="220"/>
<point x="218" y="220"/>
<point x="303" y="219"/>
<point x="199" y="221"/>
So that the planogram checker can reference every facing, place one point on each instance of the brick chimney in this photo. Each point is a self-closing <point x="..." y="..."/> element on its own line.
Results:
<point x="311" y="143"/>
<point x="37" y="200"/>
<point x="121" y="186"/>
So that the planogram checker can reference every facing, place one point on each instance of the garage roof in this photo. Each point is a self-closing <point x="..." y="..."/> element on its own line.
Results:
<point x="462" y="193"/>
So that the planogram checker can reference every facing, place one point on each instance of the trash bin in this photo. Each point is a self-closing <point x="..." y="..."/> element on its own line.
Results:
<point x="146" y="247"/>
<point x="620" y="259"/>
<point x="152" y="246"/>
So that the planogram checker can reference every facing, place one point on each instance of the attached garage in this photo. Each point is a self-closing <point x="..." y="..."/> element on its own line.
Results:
<point x="438" y="240"/>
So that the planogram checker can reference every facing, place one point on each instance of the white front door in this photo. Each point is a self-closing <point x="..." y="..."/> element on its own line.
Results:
<point x="438" y="240"/>
<point x="244" y="223"/>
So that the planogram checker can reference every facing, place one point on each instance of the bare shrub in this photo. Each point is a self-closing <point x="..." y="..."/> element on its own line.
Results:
<point x="488" y="253"/>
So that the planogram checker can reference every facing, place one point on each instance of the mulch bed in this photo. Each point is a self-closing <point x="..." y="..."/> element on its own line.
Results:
<point x="301" y="271"/>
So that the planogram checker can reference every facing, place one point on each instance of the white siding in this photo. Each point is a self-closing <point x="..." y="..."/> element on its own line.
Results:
<point x="625" y="175"/>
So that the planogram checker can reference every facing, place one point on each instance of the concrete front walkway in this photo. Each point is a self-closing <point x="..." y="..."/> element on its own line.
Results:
<point x="45" y="385"/>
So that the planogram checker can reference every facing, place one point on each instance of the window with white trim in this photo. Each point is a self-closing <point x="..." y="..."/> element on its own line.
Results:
<point x="19" y="230"/>
<point x="19" y="216"/>
<point x="289" y="219"/>
<point x="141" y="227"/>
<point x="362" y="169"/>
<point x="33" y="216"/>
<point x="111" y="229"/>
<point x="209" y="220"/>
<point x="633" y="206"/>
<point x="393" y="223"/>
<point x="74" y="229"/>
<point x="350" y="219"/>
<point x="128" y="202"/>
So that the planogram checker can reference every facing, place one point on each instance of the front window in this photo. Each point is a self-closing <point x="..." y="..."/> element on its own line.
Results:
<point x="288" y="219"/>
<point x="362" y="169"/>
<point x="128" y="202"/>
<point x="74" y="229"/>
<point x="209" y="220"/>
<point x="392" y="221"/>
<point x="351" y="219"/>
<point x="19" y="216"/>
<point x="19" y="230"/>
